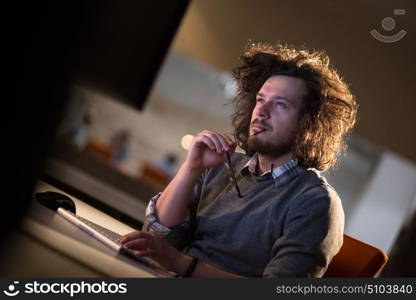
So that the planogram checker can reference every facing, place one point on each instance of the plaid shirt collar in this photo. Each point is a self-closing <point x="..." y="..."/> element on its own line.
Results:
<point x="281" y="174"/>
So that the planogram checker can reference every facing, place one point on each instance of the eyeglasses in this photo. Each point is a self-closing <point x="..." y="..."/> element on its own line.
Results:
<point x="231" y="175"/>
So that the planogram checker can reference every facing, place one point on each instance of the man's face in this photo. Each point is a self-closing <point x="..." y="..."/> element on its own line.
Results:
<point x="275" y="118"/>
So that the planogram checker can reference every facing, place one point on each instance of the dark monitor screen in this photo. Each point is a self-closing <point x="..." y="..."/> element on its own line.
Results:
<point x="123" y="44"/>
<point x="114" y="46"/>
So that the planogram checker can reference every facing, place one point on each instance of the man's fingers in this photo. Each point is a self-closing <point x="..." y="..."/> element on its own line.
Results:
<point x="132" y="236"/>
<point x="127" y="237"/>
<point x="230" y="142"/>
<point x="140" y="244"/>
<point x="148" y="252"/>
<point x="218" y="142"/>
<point x="207" y="141"/>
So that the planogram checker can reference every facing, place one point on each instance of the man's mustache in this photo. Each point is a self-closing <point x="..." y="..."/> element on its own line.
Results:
<point x="261" y="123"/>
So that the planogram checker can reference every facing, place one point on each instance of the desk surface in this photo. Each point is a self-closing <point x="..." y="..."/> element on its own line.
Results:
<point x="48" y="245"/>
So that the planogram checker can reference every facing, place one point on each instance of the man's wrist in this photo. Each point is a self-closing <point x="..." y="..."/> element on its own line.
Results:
<point x="192" y="266"/>
<point x="182" y="263"/>
<point x="191" y="172"/>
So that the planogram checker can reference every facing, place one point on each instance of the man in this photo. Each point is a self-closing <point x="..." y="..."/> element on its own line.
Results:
<point x="278" y="217"/>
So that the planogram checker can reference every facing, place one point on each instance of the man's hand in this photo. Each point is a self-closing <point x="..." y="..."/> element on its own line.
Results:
<point x="150" y="244"/>
<point x="155" y="247"/>
<point x="207" y="150"/>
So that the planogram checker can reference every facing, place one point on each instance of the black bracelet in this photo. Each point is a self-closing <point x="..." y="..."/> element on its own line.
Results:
<point x="191" y="267"/>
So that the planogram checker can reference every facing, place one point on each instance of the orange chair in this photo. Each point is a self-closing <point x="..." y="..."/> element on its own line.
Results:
<point x="356" y="259"/>
<point x="154" y="176"/>
<point x="99" y="149"/>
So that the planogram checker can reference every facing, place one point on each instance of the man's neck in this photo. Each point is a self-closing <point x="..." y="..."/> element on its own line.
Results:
<point x="265" y="162"/>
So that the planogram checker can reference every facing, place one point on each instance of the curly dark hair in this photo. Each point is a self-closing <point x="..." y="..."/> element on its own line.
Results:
<point x="329" y="109"/>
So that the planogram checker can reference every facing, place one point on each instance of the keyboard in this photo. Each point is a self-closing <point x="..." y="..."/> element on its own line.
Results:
<point x="104" y="231"/>
<point x="110" y="239"/>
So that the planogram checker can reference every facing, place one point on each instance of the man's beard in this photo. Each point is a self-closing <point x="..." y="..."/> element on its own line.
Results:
<point x="272" y="148"/>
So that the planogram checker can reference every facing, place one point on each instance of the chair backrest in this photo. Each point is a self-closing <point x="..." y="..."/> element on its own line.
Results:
<point x="356" y="259"/>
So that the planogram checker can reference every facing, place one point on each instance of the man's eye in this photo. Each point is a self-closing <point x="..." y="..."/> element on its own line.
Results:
<point x="281" y="105"/>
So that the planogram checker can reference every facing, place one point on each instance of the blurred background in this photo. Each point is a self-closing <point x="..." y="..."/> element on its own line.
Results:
<point x="117" y="155"/>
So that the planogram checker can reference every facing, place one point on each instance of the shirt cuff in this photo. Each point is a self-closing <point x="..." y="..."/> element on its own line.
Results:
<point x="152" y="220"/>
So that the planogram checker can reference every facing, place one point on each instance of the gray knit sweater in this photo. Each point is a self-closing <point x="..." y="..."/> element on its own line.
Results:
<point x="289" y="223"/>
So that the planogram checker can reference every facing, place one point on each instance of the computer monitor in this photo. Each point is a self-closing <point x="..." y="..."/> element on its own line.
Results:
<point x="114" y="46"/>
<point x="123" y="44"/>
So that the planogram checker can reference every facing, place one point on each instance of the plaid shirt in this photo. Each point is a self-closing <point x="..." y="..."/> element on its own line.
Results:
<point x="281" y="174"/>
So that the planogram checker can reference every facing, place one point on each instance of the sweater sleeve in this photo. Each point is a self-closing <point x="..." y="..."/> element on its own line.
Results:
<point x="179" y="235"/>
<point x="313" y="234"/>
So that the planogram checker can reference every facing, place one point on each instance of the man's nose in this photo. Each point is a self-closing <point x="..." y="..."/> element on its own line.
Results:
<point x="263" y="110"/>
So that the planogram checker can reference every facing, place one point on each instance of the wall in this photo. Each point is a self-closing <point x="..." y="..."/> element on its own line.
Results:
<point x="387" y="201"/>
